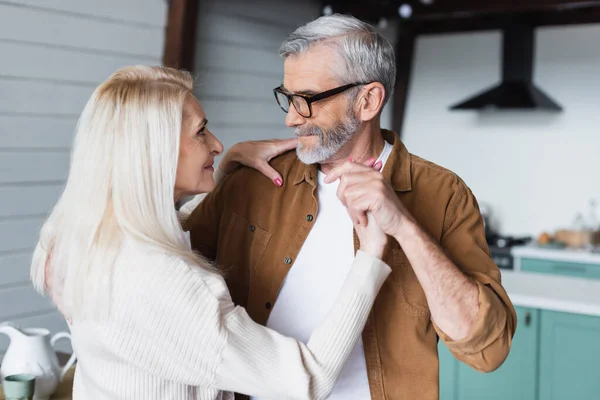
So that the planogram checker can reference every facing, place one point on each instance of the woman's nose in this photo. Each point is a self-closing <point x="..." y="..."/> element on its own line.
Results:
<point x="216" y="146"/>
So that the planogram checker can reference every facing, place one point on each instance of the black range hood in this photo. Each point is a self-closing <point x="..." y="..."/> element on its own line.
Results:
<point x="516" y="91"/>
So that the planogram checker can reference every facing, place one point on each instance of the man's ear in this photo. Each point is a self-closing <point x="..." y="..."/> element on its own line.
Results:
<point x="371" y="99"/>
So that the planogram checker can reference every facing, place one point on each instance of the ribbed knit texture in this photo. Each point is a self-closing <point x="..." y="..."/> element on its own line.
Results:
<point x="173" y="333"/>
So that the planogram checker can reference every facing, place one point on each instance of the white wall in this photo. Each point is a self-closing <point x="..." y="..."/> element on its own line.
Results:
<point x="536" y="170"/>
<point x="237" y="65"/>
<point x="52" y="55"/>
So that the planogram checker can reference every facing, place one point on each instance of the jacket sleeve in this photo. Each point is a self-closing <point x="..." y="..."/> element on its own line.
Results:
<point x="487" y="345"/>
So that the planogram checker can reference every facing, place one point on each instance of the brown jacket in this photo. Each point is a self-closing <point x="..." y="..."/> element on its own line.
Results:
<point x="254" y="230"/>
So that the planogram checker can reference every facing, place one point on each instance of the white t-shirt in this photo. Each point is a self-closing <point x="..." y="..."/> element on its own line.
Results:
<point x="314" y="282"/>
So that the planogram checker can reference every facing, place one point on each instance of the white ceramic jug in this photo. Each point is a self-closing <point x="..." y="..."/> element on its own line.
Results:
<point x="31" y="351"/>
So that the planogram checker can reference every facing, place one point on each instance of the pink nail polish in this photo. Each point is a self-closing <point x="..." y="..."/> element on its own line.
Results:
<point x="278" y="182"/>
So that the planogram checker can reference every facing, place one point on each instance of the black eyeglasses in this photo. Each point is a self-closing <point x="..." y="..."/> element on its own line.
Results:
<point x="302" y="102"/>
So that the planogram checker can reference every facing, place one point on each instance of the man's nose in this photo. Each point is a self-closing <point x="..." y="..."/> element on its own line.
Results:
<point x="293" y="119"/>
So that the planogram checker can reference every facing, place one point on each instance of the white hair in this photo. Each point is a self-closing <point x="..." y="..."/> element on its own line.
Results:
<point x="365" y="55"/>
<point x="120" y="185"/>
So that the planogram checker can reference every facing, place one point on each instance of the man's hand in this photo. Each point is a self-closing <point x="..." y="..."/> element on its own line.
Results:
<point x="452" y="297"/>
<point x="363" y="189"/>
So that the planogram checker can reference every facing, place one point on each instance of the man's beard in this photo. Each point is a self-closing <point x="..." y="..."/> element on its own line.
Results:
<point x="331" y="140"/>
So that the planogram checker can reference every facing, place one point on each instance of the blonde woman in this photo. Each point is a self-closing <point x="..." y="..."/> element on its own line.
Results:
<point x="151" y="319"/>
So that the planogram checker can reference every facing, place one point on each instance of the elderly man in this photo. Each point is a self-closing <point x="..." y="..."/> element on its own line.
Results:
<point x="284" y="246"/>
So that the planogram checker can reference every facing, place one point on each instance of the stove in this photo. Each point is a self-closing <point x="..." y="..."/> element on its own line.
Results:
<point x="500" y="249"/>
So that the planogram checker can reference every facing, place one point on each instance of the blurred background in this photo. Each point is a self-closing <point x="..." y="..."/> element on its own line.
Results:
<point x="506" y="94"/>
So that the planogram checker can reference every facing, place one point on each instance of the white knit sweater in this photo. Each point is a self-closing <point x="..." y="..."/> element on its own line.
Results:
<point x="173" y="333"/>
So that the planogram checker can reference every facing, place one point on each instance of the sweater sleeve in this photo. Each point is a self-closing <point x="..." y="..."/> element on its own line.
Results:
<point x="261" y="362"/>
<point x="188" y="330"/>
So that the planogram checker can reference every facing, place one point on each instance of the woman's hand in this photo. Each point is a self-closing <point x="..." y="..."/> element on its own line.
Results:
<point x="257" y="154"/>
<point x="372" y="238"/>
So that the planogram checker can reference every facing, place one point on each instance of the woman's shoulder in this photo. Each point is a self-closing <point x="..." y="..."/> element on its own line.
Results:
<point x="147" y="257"/>
<point x="155" y="268"/>
<point x="142" y="255"/>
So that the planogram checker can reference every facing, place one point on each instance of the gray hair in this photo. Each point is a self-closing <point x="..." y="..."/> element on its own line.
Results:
<point x="366" y="56"/>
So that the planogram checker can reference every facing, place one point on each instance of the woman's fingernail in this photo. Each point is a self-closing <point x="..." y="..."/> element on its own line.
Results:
<point x="378" y="165"/>
<point x="350" y="159"/>
<point x="278" y="182"/>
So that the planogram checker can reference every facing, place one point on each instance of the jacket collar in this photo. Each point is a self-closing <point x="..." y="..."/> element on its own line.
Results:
<point x="397" y="169"/>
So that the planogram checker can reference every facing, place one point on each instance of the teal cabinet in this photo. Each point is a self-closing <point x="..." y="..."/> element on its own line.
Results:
<point x="556" y="267"/>
<point x="448" y="370"/>
<point x="554" y="356"/>
<point x="515" y="379"/>
<point x="569" y="356"/>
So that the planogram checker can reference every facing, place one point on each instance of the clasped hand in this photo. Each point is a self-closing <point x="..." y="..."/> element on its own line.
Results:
<point x="372" y="203"/>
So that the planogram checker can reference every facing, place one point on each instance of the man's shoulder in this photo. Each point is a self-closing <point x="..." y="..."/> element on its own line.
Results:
<point x="421" y="165"/>
<point x="288" y="159"/>
<point x="287" y="163"/>
<point x="435" y="194"/>
<point x="427" y="175"/>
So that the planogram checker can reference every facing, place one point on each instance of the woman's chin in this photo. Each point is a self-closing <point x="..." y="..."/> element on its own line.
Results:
<point x="207" y="186"/>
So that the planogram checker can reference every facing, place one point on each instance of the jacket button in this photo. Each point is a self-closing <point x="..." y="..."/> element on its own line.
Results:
<point x="251" y="228"/>
<point x="309" y="217"/>
<point x="287" y="260"/>
<point x="268" y="305"/>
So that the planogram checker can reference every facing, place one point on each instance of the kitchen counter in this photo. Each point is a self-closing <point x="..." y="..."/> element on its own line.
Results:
<point x="569" y="255"/>
<point x="550" y="292"/>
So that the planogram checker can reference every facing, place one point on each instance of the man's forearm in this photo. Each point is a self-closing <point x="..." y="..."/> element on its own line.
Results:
<point x="453" y="299"/>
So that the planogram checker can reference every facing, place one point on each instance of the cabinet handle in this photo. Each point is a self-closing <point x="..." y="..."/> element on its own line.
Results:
<point x="528" y="318"/>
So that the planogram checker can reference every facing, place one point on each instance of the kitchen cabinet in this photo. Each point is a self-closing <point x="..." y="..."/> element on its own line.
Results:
<point x="569" y="354"/>
<point x="515" y="379"/>
<point x="559" y="267"/>
<point x="448" y="370"/>
<point x="574" y="263"/>
<point x="553" y="357"/>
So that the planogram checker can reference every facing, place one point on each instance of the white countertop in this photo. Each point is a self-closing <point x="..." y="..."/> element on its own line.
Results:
<point x="553" y="292"/>
<point x="569" y="255"/>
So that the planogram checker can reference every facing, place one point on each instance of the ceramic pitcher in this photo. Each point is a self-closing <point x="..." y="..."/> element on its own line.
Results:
<point x="31" y="351"/>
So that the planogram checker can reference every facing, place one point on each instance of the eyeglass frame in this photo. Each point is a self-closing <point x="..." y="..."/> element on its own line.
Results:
<point x="312" y="98"/>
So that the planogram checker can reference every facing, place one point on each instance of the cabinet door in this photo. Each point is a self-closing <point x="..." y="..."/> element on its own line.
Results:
<point x="569" y="355"/>
<point x="516" y="378"/>
<point x="448" y="369"/>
